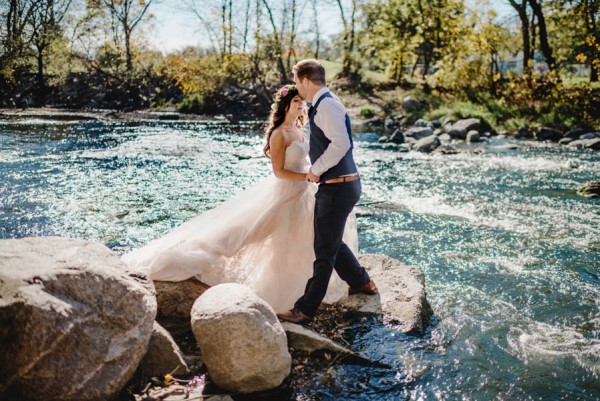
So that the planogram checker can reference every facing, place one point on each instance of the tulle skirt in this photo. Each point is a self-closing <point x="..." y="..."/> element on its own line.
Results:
<point x="263" y="237"/>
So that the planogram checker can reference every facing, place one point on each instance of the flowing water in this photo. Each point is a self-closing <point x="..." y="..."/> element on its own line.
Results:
<point x="510" y="253"/>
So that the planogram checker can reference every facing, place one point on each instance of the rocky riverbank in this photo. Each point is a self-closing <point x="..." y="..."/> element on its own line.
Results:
<point x="442" y="136"/>
<point x="71" y="311"/>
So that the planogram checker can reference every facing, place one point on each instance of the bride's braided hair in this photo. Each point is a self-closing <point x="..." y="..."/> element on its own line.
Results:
<point x="281" y="104"/>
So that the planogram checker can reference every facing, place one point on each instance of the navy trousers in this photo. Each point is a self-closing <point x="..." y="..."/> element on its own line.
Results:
<point x="334" y="202"/>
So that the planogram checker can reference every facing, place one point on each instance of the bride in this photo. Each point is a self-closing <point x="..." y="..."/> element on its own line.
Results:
<point x="263" y="237"/>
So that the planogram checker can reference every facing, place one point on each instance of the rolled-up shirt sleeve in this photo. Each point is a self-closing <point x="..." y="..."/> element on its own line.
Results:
<point x="331" y="118"/>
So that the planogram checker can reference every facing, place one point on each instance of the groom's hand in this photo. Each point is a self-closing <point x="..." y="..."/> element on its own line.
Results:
<point x="312" y="177"/>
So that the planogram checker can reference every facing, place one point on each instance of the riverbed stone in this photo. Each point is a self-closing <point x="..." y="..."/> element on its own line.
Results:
<point x="422" y="123"/>
<point x="427" y="144"/>
<point x="74" y="322"/>
<point x="301" y="338"/>
<point x="590" y="135"/>
<point x="418" y="132"/>
<point x="397" y="137"/>
<point x="548" y="134"/>
<point x="473" y="136"/>
<point x="593" y="144"/>
<point x="574" y="133"/>
<point x="242" y="342"/>
<point x="460" y="128"/>
<point x="401" y="299"/>
<point x="565" y="141"/>
<point x="524" y="133"/>
<point x="409" y="104"/>
<point x="589" y="189"/>
<point x="163" y="356"/>
<point x="445" y="150"/>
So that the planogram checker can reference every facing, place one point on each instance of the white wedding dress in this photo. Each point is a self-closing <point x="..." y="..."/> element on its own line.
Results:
<point x="263" y="237"/>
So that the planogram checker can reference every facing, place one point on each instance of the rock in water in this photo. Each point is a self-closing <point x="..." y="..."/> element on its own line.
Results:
<point x="243" y="344"/>
<point x="401" y="299"/>
<point x="590" y="189"/>
<point x="427" y="144"/>
<point x="548" y="134"/>
<point x="74" y="325"/>
<point x="460" y="128"/>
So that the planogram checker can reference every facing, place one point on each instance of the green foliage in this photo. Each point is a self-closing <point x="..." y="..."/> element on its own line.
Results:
<point x="366" y="112"/>
<point x="193" y="103"/>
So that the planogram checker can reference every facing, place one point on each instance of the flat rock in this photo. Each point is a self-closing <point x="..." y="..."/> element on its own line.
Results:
<point x="302" y="339"/>
<point x="74" y="323"/>
<point x="401" y="299"/>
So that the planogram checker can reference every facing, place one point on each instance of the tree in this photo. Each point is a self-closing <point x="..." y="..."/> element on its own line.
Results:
<point x="521" y="8"/>
<point x="124" y="16"/>
<point x="536" y="6"/>
<point x="588" y="11"/>
<point x="348" y="36"/>
<point x="45" y="22"/>
<point x="404" y="32"/>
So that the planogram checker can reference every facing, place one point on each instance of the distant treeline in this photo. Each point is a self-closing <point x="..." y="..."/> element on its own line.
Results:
<point x="95" y="53"/>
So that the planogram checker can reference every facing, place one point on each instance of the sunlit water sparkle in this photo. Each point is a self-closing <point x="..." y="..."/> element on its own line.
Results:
<point x="509" y="251"/>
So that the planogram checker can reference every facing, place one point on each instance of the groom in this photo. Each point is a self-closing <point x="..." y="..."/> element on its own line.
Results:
<point x="339" y="189"/>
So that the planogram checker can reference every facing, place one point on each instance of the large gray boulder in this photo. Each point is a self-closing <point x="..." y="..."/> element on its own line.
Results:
<point x="401" y="299"/>
<point x="163" y="356"/>
<point x="243" y="344"/>
<point x="74" y="324"/>
<point x="460" y="128"/>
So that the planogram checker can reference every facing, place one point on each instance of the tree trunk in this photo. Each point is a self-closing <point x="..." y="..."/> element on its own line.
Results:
<point x="230" y="28"/>
<point x="283" y="78"/>
<point x="536" y="6"/>
<point x="317" y="34"/>
<point x="128" y="57"/>
<point x="40" y="93"/>
<point x="592" y="30"/>
<point x="292" y="37"/>
<point x="522" y="11"/>
<point x="246" y="24"/>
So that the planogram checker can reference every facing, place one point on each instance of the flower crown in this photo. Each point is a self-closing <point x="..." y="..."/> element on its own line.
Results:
<point x="282" y="92"/>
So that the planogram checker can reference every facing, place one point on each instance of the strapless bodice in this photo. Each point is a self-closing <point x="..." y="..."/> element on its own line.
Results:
<point x="295" y="157"/>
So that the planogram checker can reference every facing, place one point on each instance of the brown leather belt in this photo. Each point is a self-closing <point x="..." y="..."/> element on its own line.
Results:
<point x="338" y="180"/>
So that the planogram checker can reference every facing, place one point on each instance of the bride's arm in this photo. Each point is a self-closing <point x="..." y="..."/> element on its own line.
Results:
<point x="278" y="147"/>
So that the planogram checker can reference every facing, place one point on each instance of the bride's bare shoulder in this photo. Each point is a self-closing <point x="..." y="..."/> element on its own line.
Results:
<point x="279" y="136"/>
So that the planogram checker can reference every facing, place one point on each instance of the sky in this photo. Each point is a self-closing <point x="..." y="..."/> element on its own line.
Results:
<point x="173" y="29"/>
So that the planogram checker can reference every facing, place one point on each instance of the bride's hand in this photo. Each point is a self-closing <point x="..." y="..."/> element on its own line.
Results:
<point x="312" y="177"/>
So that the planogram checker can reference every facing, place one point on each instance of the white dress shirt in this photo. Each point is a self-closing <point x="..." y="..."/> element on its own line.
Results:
<point x="331" y="118"/>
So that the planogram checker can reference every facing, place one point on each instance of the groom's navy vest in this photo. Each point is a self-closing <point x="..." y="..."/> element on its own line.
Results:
<point x="319" y="142"/>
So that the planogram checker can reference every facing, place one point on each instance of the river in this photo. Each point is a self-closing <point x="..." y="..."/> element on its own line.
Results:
<point x="510" y="253"/>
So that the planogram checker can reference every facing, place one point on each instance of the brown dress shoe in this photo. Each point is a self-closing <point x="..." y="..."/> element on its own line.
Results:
<point x="370" y="289"/>
<point x="294" y="316"/>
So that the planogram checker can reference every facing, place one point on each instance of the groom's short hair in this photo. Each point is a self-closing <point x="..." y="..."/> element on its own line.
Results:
<point x="311" y="69"/>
